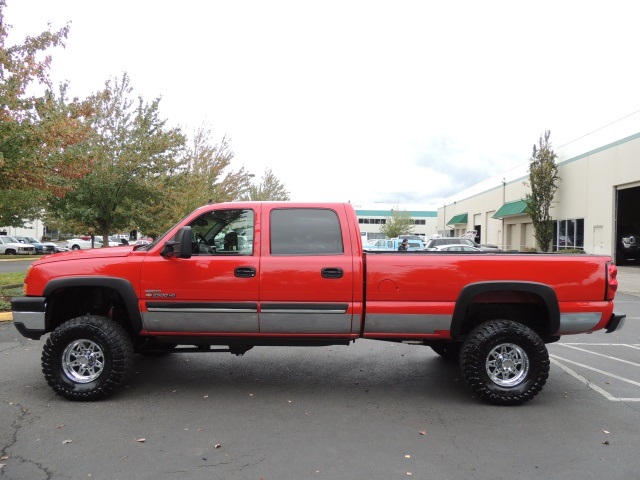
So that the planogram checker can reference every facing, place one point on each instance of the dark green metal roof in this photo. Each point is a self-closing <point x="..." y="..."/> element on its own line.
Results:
<point x="461" y="219"/>
<point x="510" y="209"/>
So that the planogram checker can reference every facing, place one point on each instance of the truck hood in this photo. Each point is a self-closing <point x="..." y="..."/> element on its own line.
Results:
<point x="110" y="252"/>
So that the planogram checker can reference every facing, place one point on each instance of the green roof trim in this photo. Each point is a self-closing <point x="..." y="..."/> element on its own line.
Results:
<point x="461" y="219"/>
<point x="511" y="209"/>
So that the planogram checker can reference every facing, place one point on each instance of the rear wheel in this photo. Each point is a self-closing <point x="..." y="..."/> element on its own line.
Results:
<point x="504" y="362"/>
<point x="75" y="247"/>
<point x="87" y="358"/>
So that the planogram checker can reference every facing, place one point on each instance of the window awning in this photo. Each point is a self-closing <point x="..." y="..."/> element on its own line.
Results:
<point x="510" y="209"/>
<point x="461" y="219"/>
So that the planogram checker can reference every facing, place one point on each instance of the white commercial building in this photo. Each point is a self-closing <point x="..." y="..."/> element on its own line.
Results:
<point x="371" y="217"/>
<point x="597" y="201"/>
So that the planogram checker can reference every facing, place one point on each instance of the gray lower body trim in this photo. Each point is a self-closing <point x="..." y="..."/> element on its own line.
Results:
<point x="578" y="322"/>
<point x="406" y="323"/>
<point x="34" y="321"/>
<point x="294" y="322"/>
<point x="184" y="321"/>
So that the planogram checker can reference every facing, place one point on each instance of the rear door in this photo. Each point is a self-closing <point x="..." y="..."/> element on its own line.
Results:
<point x="307" y="273"/>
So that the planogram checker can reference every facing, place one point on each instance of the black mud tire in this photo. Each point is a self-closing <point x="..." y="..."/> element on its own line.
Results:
<point x="87" y="358"/>
<point x="450" y="351"/>
<point x="504" y="362"/>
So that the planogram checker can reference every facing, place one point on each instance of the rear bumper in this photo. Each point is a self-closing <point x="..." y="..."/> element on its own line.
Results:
<point x="615" y="323"/>
<point x="29" y="316"/>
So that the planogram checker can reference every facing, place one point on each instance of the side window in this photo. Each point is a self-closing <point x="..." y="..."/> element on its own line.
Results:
<point x="305" y="231"/>
<point x="223" y="232"/>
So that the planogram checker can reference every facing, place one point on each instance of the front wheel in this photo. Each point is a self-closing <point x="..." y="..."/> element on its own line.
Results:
<point x="504" y="362"/>
<point x="87" y="358"/>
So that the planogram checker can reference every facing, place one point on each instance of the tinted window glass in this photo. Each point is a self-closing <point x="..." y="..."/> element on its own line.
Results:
<point x="305" y="231"/>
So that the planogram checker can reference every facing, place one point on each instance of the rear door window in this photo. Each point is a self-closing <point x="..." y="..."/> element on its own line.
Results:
<point x="305" y="231"/>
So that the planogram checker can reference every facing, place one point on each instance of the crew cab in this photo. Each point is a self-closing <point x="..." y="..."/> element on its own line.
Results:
<point x="239" y="275"/>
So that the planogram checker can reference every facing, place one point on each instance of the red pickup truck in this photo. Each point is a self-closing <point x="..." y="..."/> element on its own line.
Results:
<point x="238" y="275"/>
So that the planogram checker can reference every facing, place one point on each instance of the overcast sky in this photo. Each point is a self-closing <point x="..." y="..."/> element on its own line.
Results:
<point x="404" y="102"/>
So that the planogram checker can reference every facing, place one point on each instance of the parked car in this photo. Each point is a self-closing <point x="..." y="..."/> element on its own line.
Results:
<point x="414" y="237"/>
<point x="80" y="244"/>
<point x="436" y="242"/>
<point x="11" y="246"/>
<point x="41" y="248"/>
<point x="391" y="245"/>
<point x="456" y="248"/>
<point x="629" y="249"/>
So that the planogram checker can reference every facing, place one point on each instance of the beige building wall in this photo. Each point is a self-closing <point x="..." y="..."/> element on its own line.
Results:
<point x="587" y="190"/>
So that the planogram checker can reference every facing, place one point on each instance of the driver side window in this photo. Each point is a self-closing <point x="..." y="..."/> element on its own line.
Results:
<point x="223" y="232"/>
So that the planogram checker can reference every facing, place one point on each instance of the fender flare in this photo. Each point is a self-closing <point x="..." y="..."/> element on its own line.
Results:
<point x="120" y="285"/>
<point x="545" y="292"/>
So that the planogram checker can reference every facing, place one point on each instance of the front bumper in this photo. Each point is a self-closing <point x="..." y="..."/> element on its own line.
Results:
<point x="616" y="322"/>
<point x="29" y="316"/>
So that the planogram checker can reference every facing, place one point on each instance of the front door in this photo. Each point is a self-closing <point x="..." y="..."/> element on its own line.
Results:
<point x="213" y="292"/>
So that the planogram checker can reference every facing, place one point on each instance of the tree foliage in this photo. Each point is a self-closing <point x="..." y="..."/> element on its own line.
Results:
<point x="132" y="155"/>
<point x="269" y="189"/>
<point x="38" y="131"/>
<point x="543" y="180"/>
<point x="399" y="223"/>
<point x="203" y="176"/>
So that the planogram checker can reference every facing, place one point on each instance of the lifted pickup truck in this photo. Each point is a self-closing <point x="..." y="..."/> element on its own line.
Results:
<point x="239" y="275"/>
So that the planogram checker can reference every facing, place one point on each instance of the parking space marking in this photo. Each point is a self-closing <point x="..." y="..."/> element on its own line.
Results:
<point x="573" y="346"/>
<point x="555" y="360"/>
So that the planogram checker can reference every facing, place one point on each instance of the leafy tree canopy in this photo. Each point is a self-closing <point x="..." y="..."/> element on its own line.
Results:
<point x="204" y="175"/>
<point x="269" y="189"/>
<point x="399" y="223"/>
<point x="131" y="153"/>
<point x="543" y="180"/>
<point x="38" y="131"/>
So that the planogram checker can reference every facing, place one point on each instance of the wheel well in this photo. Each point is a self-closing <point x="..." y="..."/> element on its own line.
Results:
<point x="71" y="302"/>
<point x="523" y="307"/>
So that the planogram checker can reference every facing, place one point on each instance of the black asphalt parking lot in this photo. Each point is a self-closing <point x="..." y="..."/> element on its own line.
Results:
<point x="372" y="410"/>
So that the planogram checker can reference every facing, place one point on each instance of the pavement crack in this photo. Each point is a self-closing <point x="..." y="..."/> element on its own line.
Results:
<point x="14" y="462"/>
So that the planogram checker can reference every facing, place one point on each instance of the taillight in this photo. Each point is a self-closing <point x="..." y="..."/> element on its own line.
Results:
<point x="612" y="281"/>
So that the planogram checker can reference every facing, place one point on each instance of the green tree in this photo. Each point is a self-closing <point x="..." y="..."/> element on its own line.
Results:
<point x="204" y="176"/>
<point x="543" y="180"/>
<point x="132" y="155"/>
<point x="269" y="189"/>
<point x="38" y="131"/>
<point x="399" y="223"/>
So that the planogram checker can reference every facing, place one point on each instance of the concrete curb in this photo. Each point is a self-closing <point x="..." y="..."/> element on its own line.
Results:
<point x="6" y="317"/>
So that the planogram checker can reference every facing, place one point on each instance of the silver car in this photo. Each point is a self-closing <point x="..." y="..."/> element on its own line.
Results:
<point x="11" y="246"/>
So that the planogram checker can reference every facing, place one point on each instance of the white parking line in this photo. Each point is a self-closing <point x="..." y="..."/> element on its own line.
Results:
<point x="599" y="354"/>
<point x="588" y="383"/>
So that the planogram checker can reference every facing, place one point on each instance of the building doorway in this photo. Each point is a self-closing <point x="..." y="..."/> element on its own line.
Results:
<point x="627" y="247"/>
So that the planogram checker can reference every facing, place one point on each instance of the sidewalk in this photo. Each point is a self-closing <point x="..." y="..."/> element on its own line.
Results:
<point x="628" y="282"/>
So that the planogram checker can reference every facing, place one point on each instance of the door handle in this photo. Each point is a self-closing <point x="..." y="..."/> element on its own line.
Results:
<point x="245" y="272"/>
<point x="332" y="272"/>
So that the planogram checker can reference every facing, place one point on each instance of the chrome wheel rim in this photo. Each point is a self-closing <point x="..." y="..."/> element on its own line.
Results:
<point x="83" y="361"/>
<point x="507" y="365"/>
